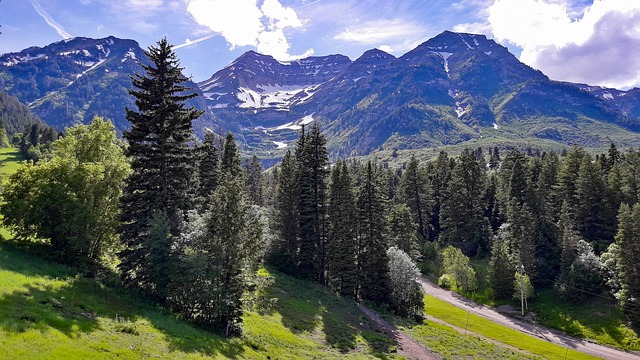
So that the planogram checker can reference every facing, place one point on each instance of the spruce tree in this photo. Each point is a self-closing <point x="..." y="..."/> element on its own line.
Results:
<point x="253" y="181"/>
<point x="373" y="272"/>
<point x="414" y="190"/>
<point x="402" y="231"/>
<point x="342" y="242"/>
<point x="462" y="213"/>
<point x="592" y="217"/>
<point x="161" y="160"/>
<point x="628" y="240"/>
<point x="313" y="160"/>
<point x="285" y="253"/>
<point x="501" y="266"/>
<point x="208" y="168"/>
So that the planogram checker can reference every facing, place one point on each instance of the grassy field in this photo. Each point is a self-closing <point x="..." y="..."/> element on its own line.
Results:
<point x="47" y="312"/>
<point x="10" y="159"/>
<point x="595" y="318"/>
<point x="458" y="317"/>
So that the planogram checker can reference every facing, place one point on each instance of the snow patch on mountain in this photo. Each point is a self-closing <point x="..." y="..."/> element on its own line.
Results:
<point x="270" y="96"/>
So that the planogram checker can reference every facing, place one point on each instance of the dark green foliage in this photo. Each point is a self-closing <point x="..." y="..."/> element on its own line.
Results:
<point x="219" y="253"/>
<point x="14" y="116"/>
<point x="35" y="142"/>
<point x="253" y="181"/>
<point x="462" y="213"/>
<point x="584" y="278"/>
<point x="342" y="245"/>
<point x="158" y="239"/>
<point x="284" y="253"/>
<point x="628" y="240"/>
<point x="501" y="266"/>
<point x="414" y="191"/>
<point x="312" y="157"/>
<point x="161" y="159"/>
<point x="373" y="274"/>
<point x="439" y="176"/>
<point x="523" y="235"/>
<point x="402" y="231"/>
<point x="593" y="219"/>
<point x="208" y="168"/>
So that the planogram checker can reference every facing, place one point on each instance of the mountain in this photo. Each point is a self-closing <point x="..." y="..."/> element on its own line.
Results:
<point x="15" y="117"/>
<point x="453" y="89"/>
<point x="71" y="81"/>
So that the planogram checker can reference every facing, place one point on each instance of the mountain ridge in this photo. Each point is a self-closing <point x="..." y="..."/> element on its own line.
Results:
<point x="451" y="89"/>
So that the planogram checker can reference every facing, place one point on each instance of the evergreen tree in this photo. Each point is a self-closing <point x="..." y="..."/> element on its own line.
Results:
<point x="402" y="231"/>
<point x="253" y="179"/>
<point x="592" y="218"/>
<point x="628" y="240"/>
<point x="373" y="273"/>
<point x="313" y="161"/>
<point x="566" y="189"/>
<point x="413" y="185"/>
<point x="462" y="212"/>
<point x="568" y="241"/>
<point x="501" y="267"/>
<point x="161" y="160"/>
<point x="524" y="238"/>
<point x="342" y="242"/>
<point x="439" y="177"/>
<point x="219" y="253"/>
<point x="208" y="168"/>
<point x="285" y="252"/>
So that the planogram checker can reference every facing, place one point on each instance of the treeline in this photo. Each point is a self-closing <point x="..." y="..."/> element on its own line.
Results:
<point x="569" y="219"/>
<point x="336" y="226"/>
<point x="19" y="127"/>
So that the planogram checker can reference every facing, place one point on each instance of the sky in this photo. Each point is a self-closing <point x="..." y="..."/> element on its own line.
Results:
<point x="587" y="41"/>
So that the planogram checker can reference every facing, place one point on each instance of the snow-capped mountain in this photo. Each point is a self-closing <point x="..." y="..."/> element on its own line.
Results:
<point x="453" y="89"/>
<point x="256" y="81"/>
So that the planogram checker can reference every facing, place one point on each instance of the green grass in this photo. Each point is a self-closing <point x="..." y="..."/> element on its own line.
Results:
<point x="595" y="318"/>
<point x="10" y="159"/>
<point x="47" y="312"/>
<point x="458" y="317"/>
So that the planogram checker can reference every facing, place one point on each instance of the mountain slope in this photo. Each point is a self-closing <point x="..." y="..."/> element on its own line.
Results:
<point x="71" y="81"/>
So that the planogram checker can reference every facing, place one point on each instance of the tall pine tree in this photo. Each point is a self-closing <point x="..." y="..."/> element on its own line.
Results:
<point x="161" y="160"/>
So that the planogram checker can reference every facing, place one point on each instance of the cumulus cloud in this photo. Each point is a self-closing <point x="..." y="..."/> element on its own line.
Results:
<point x="597" y="44"/>
<point x="244" y="23"/>
<point x="57" y="27"/>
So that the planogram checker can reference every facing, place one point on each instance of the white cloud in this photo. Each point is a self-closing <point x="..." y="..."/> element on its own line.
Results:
<point x="244" y="23"/>
<point x="378" y="31"/>
<point x="57" y="27"/>
<point x="386" y="48"/>
<point x="594" y="44"/>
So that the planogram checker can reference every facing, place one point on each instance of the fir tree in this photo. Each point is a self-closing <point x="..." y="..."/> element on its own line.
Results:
<point x="501" y="266"/>
<point x="461" y="216"/>
<point x="208" y="168"/>
<point x="285" y="253"/>
<point x="314" y="163"/>
<point x="402" y="231"/>
<point x="161" y="160"/>
<point x="628" y="240"/>
<point x="253" y="181"/>
<point x="342" y="242"/>
<point x="373" y="272"/>
<point x="413" y="185"/>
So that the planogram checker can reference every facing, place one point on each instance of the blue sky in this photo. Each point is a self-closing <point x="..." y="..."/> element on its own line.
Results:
<point x="591" y="41"/>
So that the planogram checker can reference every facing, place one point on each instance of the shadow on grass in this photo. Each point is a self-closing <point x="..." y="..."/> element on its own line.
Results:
<point x="73" y="305"/>
<point x="305" y="306"/>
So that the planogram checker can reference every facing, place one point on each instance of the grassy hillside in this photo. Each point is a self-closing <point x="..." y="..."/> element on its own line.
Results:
<point x="48" y="312"/>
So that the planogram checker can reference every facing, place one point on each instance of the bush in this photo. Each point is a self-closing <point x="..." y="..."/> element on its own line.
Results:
<point x="445" y="281"/>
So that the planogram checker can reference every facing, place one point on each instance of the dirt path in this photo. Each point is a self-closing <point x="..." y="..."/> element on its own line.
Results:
<point x="407" y="346"/>
<point x="549" y="335"/>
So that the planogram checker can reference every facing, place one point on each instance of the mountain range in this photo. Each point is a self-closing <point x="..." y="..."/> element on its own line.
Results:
<point x="454" y="89"/>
